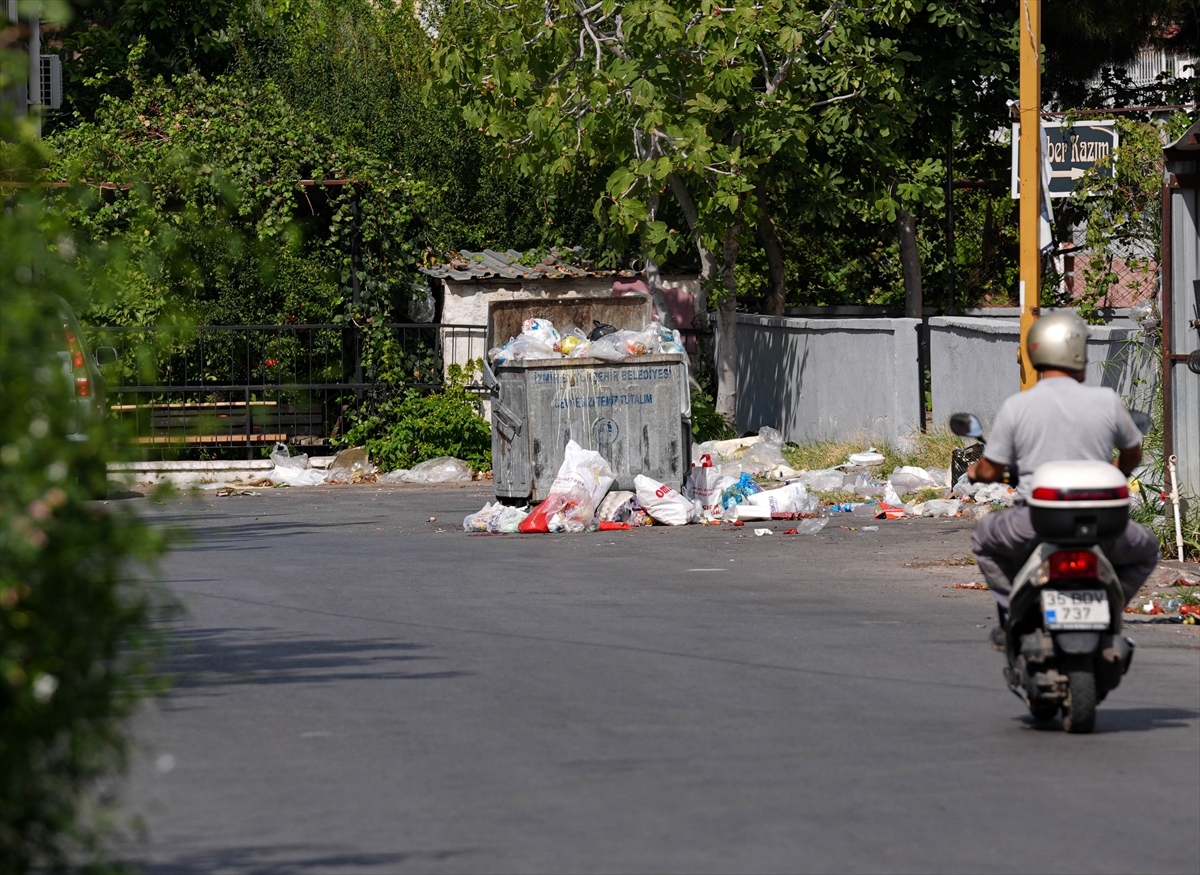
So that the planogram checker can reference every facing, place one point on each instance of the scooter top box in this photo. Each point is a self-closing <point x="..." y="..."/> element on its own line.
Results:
<point x="1078" y="501"/>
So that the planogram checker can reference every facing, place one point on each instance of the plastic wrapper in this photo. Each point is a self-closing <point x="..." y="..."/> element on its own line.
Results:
<point x="866" y="486"/>
<point x="616" y="507"/>
<point x="523" y="348"/>
<point x="936" y="507"/>
<point x="739" y="491"/>
<point x="793" y="498"/>
<point x="910" y="479"/>
<point x="664" y="504"/>
<point x="508" y="521"/>
<point x="823" y="479"/>
<point x="583" y="479"/>
<point x="541" y="330"/>
<point x="480" y="521"/>
<point x="292" y="470"/>
<point x="351" y="466"/>
<point x="444" y="469"/>
<point x="811" y="527"/>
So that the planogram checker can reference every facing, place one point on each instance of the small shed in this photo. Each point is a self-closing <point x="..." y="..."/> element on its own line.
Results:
<point x="472" y="280"/>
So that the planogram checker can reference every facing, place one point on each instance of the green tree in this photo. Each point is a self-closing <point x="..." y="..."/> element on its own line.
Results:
<point x="694" y="101"/>
<point x="202" y="189"/>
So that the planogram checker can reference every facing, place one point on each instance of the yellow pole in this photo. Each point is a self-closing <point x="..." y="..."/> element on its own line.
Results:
<point x="1030" y="175"/>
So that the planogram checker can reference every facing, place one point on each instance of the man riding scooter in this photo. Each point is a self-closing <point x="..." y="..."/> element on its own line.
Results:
<point x="1059" y="419"/>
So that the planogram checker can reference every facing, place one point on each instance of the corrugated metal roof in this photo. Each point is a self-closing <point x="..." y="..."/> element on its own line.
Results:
<point x="489" y="264"/>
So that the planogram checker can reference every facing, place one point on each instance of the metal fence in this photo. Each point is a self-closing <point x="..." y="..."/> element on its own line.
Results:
<point x="228" y="387"/>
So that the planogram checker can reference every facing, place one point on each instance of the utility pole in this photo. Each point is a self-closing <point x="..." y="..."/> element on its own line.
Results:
<point x="1030" y="24"/>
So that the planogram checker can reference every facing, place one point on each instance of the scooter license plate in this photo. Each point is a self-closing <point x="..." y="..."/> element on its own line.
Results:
<point x="1075" y="609"/>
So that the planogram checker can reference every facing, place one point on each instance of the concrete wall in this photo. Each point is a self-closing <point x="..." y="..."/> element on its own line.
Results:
<point x="973" y="364"/>
<point x="1185" y="293"/>
<point x="828" y="378"/>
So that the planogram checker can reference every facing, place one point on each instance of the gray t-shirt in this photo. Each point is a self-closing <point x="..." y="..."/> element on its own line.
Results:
<point x="1059" y="419"/>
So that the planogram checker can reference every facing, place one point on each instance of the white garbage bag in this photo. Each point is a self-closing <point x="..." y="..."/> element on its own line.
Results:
<point x="793" y="498"/>
<point x="582" y="480"/>
<point x="664" y="504"/>
<point x="292" y="470"/>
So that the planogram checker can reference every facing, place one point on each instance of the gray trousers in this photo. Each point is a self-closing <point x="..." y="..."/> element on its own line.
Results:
<point x="1004" y="540"/>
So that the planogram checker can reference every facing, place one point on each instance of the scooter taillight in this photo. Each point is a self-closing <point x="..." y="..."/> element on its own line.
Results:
<point x="1072" y="563"/>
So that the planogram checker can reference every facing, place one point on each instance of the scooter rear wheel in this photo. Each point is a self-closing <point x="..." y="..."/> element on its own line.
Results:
<point x="1079" y="710"/>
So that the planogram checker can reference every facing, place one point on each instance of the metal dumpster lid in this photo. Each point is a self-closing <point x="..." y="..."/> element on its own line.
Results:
<point x="505" y="317"/>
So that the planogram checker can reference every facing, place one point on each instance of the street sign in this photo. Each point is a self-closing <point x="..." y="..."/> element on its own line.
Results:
<point x="1072" y="150"/>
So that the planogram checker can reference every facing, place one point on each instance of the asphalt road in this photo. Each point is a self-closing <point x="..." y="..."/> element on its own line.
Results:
<point x="361" y="689"/>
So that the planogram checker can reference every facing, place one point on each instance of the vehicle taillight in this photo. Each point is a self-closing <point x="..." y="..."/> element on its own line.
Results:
<point x="1072" y="563"/>
<point x="83" y="387"/>
<point x="1049" y="493"/>
<point x="76" y="349"/>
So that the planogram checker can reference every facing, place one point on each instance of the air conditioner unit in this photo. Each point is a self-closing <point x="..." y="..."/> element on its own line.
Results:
<point x="51" y="84"/>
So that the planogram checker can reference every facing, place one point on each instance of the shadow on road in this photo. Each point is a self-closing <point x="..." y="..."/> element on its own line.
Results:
<point x="1129" y="720"/>
<point x="207" y="658"/>
<point x="272" y="859"/>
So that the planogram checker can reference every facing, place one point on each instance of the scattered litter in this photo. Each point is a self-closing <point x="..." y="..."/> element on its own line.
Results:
<point x="444" y="469"/>
<point x="616" y="507"/>
<point x="793" y="498"/>
<point x="496" y="519"/>
<point x="742" y="512"/>
<point x="233" y="490"/>
<point x="758" y="533"/>
<point x="292" y="470"/>
<point x="791" y="531"/>
<point x="910" y="478"/>
<point x="870" y="528"/>
<point x="887" y="512"/>
<point x="739" y="492"/>
<point x="868" y="459"/>
<point x="824" y="479"/>
<point x="936" y="507"/>
<point x="970" y="586"/>
<point x="350" y="466"/>
<point x="810" y="527"/>
<point x="606" y="526"/>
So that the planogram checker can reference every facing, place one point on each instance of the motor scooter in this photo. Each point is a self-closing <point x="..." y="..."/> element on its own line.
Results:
<point x="1063" y="633"/>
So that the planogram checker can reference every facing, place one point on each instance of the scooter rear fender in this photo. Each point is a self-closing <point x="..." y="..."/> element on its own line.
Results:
<point x="1025" y="602"/>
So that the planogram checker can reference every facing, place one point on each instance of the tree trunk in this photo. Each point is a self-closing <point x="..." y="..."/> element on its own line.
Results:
<point x="770" y="244"/>
<point x="910" y="262"/>
<point x="727" y="333"/>
<point x="654" y="281"/>
<point x="708" y="262"/>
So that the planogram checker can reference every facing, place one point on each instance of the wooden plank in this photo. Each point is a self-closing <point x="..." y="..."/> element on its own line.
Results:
<point x="211" y="439"/>
<point x="193" y="405"/>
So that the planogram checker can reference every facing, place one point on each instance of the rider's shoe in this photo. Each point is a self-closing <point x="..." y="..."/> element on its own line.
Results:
<point x="998" y="638"/>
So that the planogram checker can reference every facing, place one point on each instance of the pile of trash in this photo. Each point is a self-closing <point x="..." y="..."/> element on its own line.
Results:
<point x="353" y="466"/>
<point x="726" y="485"/>
<point x="539" y="339"/>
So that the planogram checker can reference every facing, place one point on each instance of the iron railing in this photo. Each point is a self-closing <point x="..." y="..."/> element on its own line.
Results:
<point x="227" y="386"/>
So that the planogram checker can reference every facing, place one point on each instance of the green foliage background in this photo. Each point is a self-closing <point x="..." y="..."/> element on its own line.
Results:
<point x="75" y="635"/>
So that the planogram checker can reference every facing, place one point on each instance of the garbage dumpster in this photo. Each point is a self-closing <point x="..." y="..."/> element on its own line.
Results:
<point x="635" y="412"/>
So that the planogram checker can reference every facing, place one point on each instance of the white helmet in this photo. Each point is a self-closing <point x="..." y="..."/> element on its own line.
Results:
<point x="1058" y="340"/>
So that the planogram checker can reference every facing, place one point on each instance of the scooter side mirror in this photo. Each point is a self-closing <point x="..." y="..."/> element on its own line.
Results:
<point x="1142" y="420"/>
<point x="966" y="425"/>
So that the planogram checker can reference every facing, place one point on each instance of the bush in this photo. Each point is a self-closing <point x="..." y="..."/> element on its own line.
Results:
<point x="422" y="426"/>
<point x="75" y="633"/>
